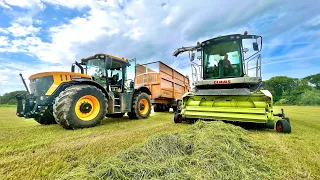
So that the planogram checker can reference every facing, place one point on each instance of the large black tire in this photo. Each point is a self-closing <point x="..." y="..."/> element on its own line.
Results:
<point x="156" y="108"/>
<point x="140" y="101"/>
<point x="283" y="126"/>
<point x="177" y="118"/>
<point x="174" y="108"/>
<point x="46" y="119"/>
<point x="67" y="111"/>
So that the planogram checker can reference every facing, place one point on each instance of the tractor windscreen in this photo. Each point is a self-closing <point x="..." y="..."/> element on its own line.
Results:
<point x="222" y="60"/>
<point x="95" y="67"/>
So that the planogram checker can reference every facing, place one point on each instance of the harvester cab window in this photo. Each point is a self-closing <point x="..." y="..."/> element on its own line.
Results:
<point x="222" y="60"/>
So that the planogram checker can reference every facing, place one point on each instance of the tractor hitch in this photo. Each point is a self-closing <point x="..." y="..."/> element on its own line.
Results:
<point x="29" y="109"/>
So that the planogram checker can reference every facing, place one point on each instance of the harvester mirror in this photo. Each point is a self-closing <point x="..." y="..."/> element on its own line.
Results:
<point x="199" y="57"/>
<point x="131" y="85"/>
<point x="192" y="57"/>
<point x="255" y="46"/>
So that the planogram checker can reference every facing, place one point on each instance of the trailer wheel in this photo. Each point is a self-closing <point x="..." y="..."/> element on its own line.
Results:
<point x="174" y="108"/>
<point x="46" y="119"/>
<point x="156" y="108"/>
<point x="283" y="126"/>
<point x="141" y="106"/>
<point x="80" y="106"/>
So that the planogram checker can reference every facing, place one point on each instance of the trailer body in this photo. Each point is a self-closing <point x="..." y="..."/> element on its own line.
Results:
<point x="166" y="84"/>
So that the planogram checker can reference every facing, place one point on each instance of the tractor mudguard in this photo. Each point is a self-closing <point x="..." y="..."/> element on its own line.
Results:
<point x="142" y="89"/>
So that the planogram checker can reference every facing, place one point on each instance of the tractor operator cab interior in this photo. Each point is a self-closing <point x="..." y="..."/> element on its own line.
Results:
<point x="225" y="57"/>
<point x="113" y="73"/>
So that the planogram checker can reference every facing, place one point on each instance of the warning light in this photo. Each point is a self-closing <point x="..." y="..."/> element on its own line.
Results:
<point x="198" y="43"/>
<point x="245" y="32"/>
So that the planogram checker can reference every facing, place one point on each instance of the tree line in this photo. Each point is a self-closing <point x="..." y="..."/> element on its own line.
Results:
<point x="285" y="90"/>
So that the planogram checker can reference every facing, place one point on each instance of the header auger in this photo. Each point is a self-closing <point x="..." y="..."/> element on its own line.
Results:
<point x="226" y="85"/>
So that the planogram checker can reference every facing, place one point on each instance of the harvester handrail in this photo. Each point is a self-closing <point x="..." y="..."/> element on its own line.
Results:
<point x="257" y="67"/>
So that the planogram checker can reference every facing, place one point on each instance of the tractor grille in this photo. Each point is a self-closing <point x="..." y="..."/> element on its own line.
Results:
<point x="39" y="86"/>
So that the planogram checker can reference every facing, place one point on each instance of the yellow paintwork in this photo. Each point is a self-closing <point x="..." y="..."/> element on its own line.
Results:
<point x="93" y="101"/>
<point x="146" y="106"/>
<point x="58" y="78"/>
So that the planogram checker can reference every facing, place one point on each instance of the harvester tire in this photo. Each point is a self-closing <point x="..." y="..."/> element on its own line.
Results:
<point x="283" y="126"/>
<point x="178" y="118"/>
<point x="141" y="106"/>
<point x="46" y="119"/>
<point x="80" y="106"/>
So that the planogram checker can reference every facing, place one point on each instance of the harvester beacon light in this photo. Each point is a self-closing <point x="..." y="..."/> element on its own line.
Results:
<point x="245" y="33"/>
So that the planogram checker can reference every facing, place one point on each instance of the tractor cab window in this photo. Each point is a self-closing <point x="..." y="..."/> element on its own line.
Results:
<point x="222" y="60"/>
<point x="95" y="67"/>
<point x="115" y="76"/>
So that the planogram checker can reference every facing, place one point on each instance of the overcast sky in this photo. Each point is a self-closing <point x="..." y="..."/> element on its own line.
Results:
<point x="49" y="35"/>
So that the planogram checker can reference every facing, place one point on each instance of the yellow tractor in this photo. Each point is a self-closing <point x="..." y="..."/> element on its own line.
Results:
<point x="104" y="86"/>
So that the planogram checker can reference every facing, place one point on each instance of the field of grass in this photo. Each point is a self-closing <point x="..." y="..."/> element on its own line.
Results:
<point x="32" y="151"/>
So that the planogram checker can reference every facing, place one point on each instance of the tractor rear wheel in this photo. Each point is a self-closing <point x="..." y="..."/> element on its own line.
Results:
<point x="46" y="119"/>
<point x="141" y="106"/>
<point x="283" y="126"/>
<point x="80" y="106"/>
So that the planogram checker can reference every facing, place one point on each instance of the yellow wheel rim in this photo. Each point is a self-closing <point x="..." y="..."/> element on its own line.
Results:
<point x="144" y="106"/>
<point x="87" y="108"/>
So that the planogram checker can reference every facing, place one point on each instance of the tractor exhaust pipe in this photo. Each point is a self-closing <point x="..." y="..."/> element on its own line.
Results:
<point x="24" y="83"/>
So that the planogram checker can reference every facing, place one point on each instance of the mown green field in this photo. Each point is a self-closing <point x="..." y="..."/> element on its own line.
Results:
<point x="32" y="151"/>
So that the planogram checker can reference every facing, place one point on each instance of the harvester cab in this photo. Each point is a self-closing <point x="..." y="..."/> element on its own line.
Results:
<point x="103" y="86"/>
<point x="228" y="84"/>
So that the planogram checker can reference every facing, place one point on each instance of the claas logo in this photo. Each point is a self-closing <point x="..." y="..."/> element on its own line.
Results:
<point x="222" y="82"/>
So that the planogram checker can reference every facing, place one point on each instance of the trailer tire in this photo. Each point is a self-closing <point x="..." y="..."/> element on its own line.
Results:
<point x="156" y="108"/>
<point x="80" y="106"/>
<point x="46" y="119"/>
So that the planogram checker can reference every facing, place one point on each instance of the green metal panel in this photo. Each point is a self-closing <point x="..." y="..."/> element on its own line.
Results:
<point x="252" y="108"/>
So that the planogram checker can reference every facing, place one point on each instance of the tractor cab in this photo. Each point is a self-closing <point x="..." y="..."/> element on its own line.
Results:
<point x="113" y="73"/>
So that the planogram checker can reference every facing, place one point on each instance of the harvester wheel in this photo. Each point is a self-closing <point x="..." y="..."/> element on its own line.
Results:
<point x="46" y="118"/>
<point x="283" y="126"/>
<point x="178" y="118"/>
<point x="80" y="106"/>
<point x="141" y="106"/>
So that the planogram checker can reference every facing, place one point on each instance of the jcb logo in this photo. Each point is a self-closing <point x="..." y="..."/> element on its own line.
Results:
<point x="222" y="82"/>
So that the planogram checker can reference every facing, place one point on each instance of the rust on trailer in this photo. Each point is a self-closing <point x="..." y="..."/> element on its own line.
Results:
<point x="166" y="84"/>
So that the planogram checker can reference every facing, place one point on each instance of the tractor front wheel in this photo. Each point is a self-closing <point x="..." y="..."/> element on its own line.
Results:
<point x="80" y="106"/>
<point x="283" y="126"/>
<point x="141" y="106"/>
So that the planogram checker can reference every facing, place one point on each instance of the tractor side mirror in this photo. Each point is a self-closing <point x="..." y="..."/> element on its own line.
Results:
<point x="192" y="57"/>
<point x="199" y="58"/>
<point x="255" y="46"/>
<point x="245" y="50"/>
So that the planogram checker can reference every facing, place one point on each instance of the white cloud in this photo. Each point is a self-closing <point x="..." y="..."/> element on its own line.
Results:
<point x="314" y="21"/>
<point x="2" y="30"/>
<point x="18" y="30"/>
<point x="24" y="3"/>
<point x="2" y="4"/>
<point x="4" y="41"/>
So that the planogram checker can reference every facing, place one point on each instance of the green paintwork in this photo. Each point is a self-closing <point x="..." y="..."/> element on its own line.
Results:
<point x="254" y="108"/>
